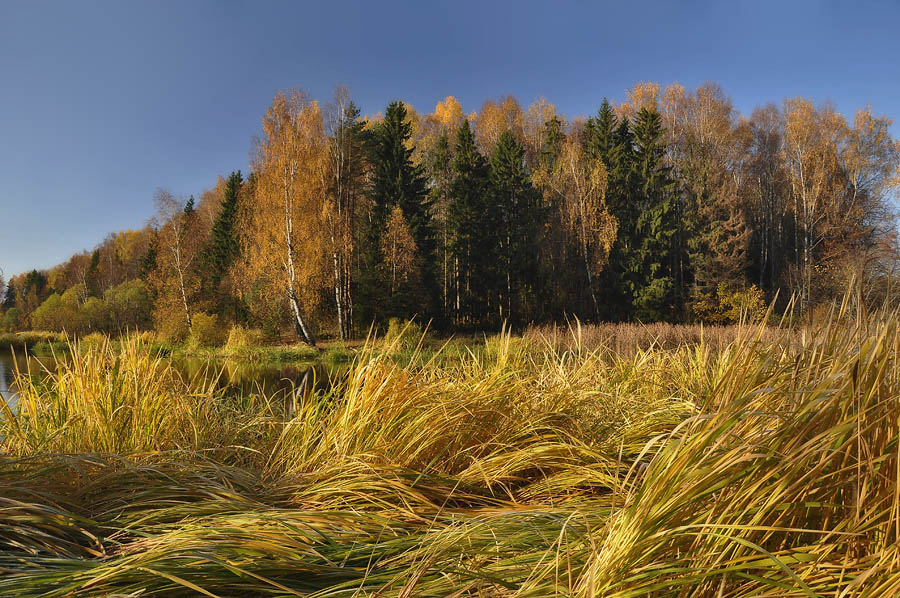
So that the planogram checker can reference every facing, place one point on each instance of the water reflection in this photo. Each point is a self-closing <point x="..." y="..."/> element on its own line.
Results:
<point x="241" y="378"/>
<point x="22" y="362"/>
<point x="6" y="381"/>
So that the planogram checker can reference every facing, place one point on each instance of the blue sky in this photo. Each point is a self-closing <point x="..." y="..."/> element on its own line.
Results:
<point x="103" y="102"/>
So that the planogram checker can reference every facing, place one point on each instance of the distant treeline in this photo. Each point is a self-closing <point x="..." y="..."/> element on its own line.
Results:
<point x="667" y="207"/>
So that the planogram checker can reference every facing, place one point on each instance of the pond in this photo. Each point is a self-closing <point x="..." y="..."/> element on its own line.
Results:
<point x="10" y="363"/>
<point x="234" y="377"/>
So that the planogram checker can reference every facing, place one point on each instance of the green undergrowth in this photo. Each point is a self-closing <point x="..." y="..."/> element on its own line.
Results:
<point x="21" y="341"/>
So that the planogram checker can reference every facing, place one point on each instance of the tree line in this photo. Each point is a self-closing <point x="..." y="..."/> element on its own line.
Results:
<point x="670" y="206"/>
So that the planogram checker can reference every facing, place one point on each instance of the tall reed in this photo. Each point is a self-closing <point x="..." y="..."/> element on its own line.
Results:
<point x="767" y="466"/>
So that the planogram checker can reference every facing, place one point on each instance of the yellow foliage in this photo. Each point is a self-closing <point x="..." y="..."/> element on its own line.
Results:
<point x="283" y="224"/>
<point x="747" y="304"/>
<point x="240" y="337"/>
<point x="206" y="330"/>
<point x="642" y="95"/>
<point x="495" y="118"/>
<point x="448" y="113"/>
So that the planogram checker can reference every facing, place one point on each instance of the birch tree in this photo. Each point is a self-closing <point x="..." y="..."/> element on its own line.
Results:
<point x="580" y="184"/>
<point x="283" y="231"/>
<point x="347" y="170"/>
<point x="811" y="152"/>
<point x="175" y="281"/>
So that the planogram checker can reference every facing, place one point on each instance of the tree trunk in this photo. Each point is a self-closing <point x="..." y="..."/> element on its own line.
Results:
<point x="184" y="303"/>
<point x="299" y="323"/>
<point x="348" y="300"/>
<point x="587" y="268"/>
<point x="338" y="293"/>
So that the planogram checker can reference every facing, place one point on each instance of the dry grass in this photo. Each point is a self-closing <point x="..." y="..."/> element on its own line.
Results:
<point x="628" y="339"/>
<point x="763" y="466"/>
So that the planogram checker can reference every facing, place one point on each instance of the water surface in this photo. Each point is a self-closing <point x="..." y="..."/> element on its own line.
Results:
<point x="11" y="362"/>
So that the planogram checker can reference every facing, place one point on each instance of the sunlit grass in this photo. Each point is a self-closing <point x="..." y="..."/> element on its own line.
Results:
<point x="762" y="466"/>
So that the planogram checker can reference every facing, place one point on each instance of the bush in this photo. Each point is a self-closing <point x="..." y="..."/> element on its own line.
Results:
<point x="96" y="314"/>
<point x="206" y="331"/>
<point x="240" y="337"/>
<point x="11" y="320"/>
<point x="29" y="340"/>
<point x="57" y="313"/>
<point x="170" y="323"/>
<point x="747" y="304"/>
<point x="403" y="335"/>
<point x="93" y="340"/>
<point x="286" y="353"/>
<point x="129" y="306"/>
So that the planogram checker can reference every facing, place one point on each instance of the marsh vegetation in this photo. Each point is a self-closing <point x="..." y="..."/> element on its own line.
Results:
<point x="533" y="466"/>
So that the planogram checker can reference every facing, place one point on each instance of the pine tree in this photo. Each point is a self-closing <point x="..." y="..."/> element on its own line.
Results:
<point x="438" y="163"/>
<point x="473" y="235"/>
<point x="93" y="274"/>
<point x="223" y="246"/>
<point x="148" y="261"/>
<point x="398" y="182"/>
<point x="600" y="134"/>
<point x="9" y="299"/>
<point x="36" y="282"/>
<point x="189" y="207"/>
<point x="552" y="144"/>
<point x="656" y="223"/>
<point x="613" y="142"/>
<point x="520" y="222"/>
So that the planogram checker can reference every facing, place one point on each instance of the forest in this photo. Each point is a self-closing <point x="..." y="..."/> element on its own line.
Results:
<point x="652" y="352"/>
<point x="670" y="206"/>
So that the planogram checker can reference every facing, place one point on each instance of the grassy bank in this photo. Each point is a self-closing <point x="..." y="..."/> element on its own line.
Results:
<point x="36" y="342"/>
<point x="764" y="466"/>
<point x="407" y="343"/>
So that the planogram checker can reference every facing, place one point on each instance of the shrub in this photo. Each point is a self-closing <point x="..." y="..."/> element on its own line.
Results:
<point x="56" y="315"/>
<point x="338" y="353"/>
<point x="240" y="337"/>
<point x="206" y="331"/>
<point x="403" y="335"/>
<point x="62" y="313"/>
<point x="96" y="314"/>
<point x="93" y="340"/>
<point x="11" y="320"/>
<point x="170" y="323"/>
<point x="129" y="306"/>
<point x="747" y="304"/>
<point x="287" y="353"/>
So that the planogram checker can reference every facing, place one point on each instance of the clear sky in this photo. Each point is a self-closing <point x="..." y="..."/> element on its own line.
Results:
<point x="103" y="102"/>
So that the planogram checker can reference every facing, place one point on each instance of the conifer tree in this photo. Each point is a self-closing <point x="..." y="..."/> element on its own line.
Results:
<point x="552" y="144"/>
<point x="224" y="246"/>
<point x="472" y="220"/>
<point x="611" y="140"/>
<point x="656" y="224"/>
<point x="600" y="134"/>
<point x="521" y="217"/>
<point x="438" y="164"/>
<point x="397" y="181"/>
<point x="9" y="299"/>
<point x="148" y="261"/>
